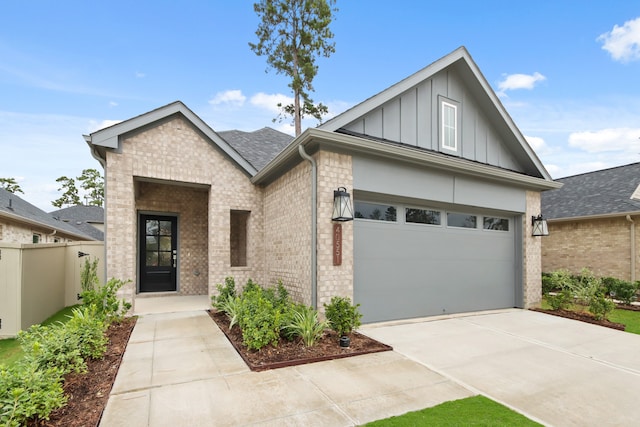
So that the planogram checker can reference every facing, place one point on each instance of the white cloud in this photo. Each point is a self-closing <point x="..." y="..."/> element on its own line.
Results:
<point x="613" y="139"/>
<point x="140" y="75"/>
<point x="536" y="143"/>
<point x="623" y="42"/>
<point x="113" y="104"/>
<point x="519" y="81"/>
<point x="270" y="102"/>
<point x="232" y="98"/>
<point x="94" y="126"/>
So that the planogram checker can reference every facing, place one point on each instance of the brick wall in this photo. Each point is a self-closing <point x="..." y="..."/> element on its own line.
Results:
<point x="17" y="232"/>
<point x="601" y="245"/>
<point x="531" y="251"/>
<point x="334" y="170"/>
<point x="287" y="233"/>
<point x="173" y="153"/>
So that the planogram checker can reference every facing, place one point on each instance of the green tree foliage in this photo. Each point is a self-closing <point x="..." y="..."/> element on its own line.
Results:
<point x="70" y="196"/>
<point x="292" y="34"/>
<point x="91" y="181"/>
<point x="11" y="185"/>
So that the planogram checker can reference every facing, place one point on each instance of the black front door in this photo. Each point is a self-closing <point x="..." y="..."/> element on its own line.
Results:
<point x="158" y="253"/>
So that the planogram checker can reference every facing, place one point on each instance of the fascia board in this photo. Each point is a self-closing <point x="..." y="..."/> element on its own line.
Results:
<point x="353" y="144"/>
<point x="590" y="217"/>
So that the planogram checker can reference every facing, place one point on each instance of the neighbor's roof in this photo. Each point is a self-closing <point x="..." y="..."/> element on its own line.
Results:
<point x="601" y="193"/>
<point x="258" y="147"/>
<point x="81" y="217"/>
<point x="13" y="207"/>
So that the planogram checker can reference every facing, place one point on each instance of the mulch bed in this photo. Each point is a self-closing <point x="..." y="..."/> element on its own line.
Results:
<point x="291" y="353"/>
<point x="88" y="393"/>
<point x="583" y="317"/>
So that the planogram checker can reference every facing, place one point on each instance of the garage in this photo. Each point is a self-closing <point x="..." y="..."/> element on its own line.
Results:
<point x="413" y="260"/>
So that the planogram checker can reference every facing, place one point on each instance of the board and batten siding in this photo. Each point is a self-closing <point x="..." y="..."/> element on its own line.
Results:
<point x="413" y="118"/>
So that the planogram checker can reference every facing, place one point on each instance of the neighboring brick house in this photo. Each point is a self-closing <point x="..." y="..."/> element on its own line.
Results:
<point x="88" y="219"/>
<point x="592" y="221"/>
<point x="444" y="186"/>
<point x="22" y="222"/>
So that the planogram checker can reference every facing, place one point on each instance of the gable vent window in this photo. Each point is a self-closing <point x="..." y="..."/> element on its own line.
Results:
<point x="449" y="125"/>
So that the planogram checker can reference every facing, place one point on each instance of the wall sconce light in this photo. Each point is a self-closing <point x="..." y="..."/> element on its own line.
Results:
<point x="540" y="227"/>
<point x="81" y="254"/>
<point x="342" y="210"/>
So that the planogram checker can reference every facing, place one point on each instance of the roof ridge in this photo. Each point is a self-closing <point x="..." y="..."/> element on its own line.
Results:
<point x="598" y="171"/>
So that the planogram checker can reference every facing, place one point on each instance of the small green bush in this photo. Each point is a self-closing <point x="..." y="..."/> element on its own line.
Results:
<point x="561" y="300"/>
<point x="585" y="286"/>
<point x="29" y="392"/>
<point x="259" y="319"/>
<point x="224" y="292"/>
<point x="51" y="347"/>
<point x="559" y="280"/>
<point x="90" y="331"/>
<point x="342" y="316"/>
<point x="624" y="291"/>
<point x="232" y="308"/>
<point x="106" y="301"/>
<point x="547" y="284"/>
<point x="305" y="324"/>
<point x="600" y="306"/>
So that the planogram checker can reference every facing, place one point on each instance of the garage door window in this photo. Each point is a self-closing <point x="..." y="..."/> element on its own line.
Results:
<point x="461" y="220"/>
<point x="422" y="216"/>
<point x="497" y="224"/>
<point x="375" y="211"/>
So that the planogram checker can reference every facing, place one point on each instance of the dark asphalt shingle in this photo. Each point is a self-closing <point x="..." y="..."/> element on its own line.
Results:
<point x="81" y="217"/>
<point x="595" y="193"/>
<point x="13" y="204"/>
<point x="258" y="147"/>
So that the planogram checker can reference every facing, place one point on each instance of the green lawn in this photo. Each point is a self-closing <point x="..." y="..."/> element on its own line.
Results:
<point x="472" y="411"/>
<point x="630" y="319"/>
<point x="10" y="351"/>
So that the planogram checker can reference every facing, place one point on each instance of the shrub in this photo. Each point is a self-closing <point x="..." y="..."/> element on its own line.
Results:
<point x="585" y="286"/>
<point x="106" y="301"/>
<point x="89" y="275"/>
<point x="342" y="316"/>
<point x="559" y="280"/>
<point x="224" y="292"/>
<point x="305" y="324"/>
<point x="51" y="347"/>
<point x="259" y="319"/>
<point x="620" y="289"/>
<point x="232" y="308"/>
<point x="89" y="329"/>
<point x="561" y="300"/>
<point x="547" y="284"/>
<point x="29" y="392"/>
<point x="600" y="306"/>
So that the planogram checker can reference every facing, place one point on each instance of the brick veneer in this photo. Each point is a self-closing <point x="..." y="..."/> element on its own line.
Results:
<point x="601" y="245"/>
<point x="170" y="153"/>
<point x="531" y="250"/>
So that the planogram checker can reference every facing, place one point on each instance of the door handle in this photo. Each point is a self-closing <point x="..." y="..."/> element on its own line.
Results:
<point x="175" y="258"/>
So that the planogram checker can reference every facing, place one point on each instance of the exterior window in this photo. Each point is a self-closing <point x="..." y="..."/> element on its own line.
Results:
<point x="238" y="238"/>
<point x="461" y="220"/>
<point x="498" y="224"/>
<point x="36" y="238"/>
<point x="422" y="216"/>
<point x="56" y="240"/>
<point x="449" y="126"/>
<point x="375" y="211"/>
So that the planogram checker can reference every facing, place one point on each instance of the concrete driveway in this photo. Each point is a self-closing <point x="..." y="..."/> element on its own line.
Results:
<point x="557" y="371"/>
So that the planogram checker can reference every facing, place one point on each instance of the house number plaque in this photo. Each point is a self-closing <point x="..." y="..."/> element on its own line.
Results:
<point x="337" y="244"/>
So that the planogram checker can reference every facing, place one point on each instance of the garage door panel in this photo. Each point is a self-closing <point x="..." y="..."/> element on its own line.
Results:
<point x="408" y="270"/>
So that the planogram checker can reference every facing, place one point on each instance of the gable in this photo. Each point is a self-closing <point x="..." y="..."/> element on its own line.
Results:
<point x="110" y="139"/>
<point x="411" y="112"/>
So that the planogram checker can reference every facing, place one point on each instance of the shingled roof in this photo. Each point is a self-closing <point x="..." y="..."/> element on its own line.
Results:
<point x="258" y="147"/>
<point x="602" y="192"/>
<point x="14" y="207"/>
<point x="81" y="217"/>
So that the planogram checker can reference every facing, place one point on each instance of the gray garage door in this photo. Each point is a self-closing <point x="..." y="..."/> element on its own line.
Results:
<point x="418" y="261"/>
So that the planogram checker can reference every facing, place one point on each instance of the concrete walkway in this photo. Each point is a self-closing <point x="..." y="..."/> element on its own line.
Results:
<point x="558" y="371"/>
<point x="180" y="370"/>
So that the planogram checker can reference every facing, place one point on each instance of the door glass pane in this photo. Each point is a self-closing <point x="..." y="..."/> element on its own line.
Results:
<point x="152" y="259"/>
<point x="165" y="259"/>
<point x="165" y="243"/>
<point x="375" y="211"/>
<point x="152" y="243"/>
<point x="152" y="227"/>
<point x="499" y="224"/>
<point x="165" y="228"/>
<point x="422" y="216"/>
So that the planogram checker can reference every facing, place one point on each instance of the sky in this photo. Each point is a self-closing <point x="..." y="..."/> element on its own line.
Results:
<point x="567" y="72"/>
